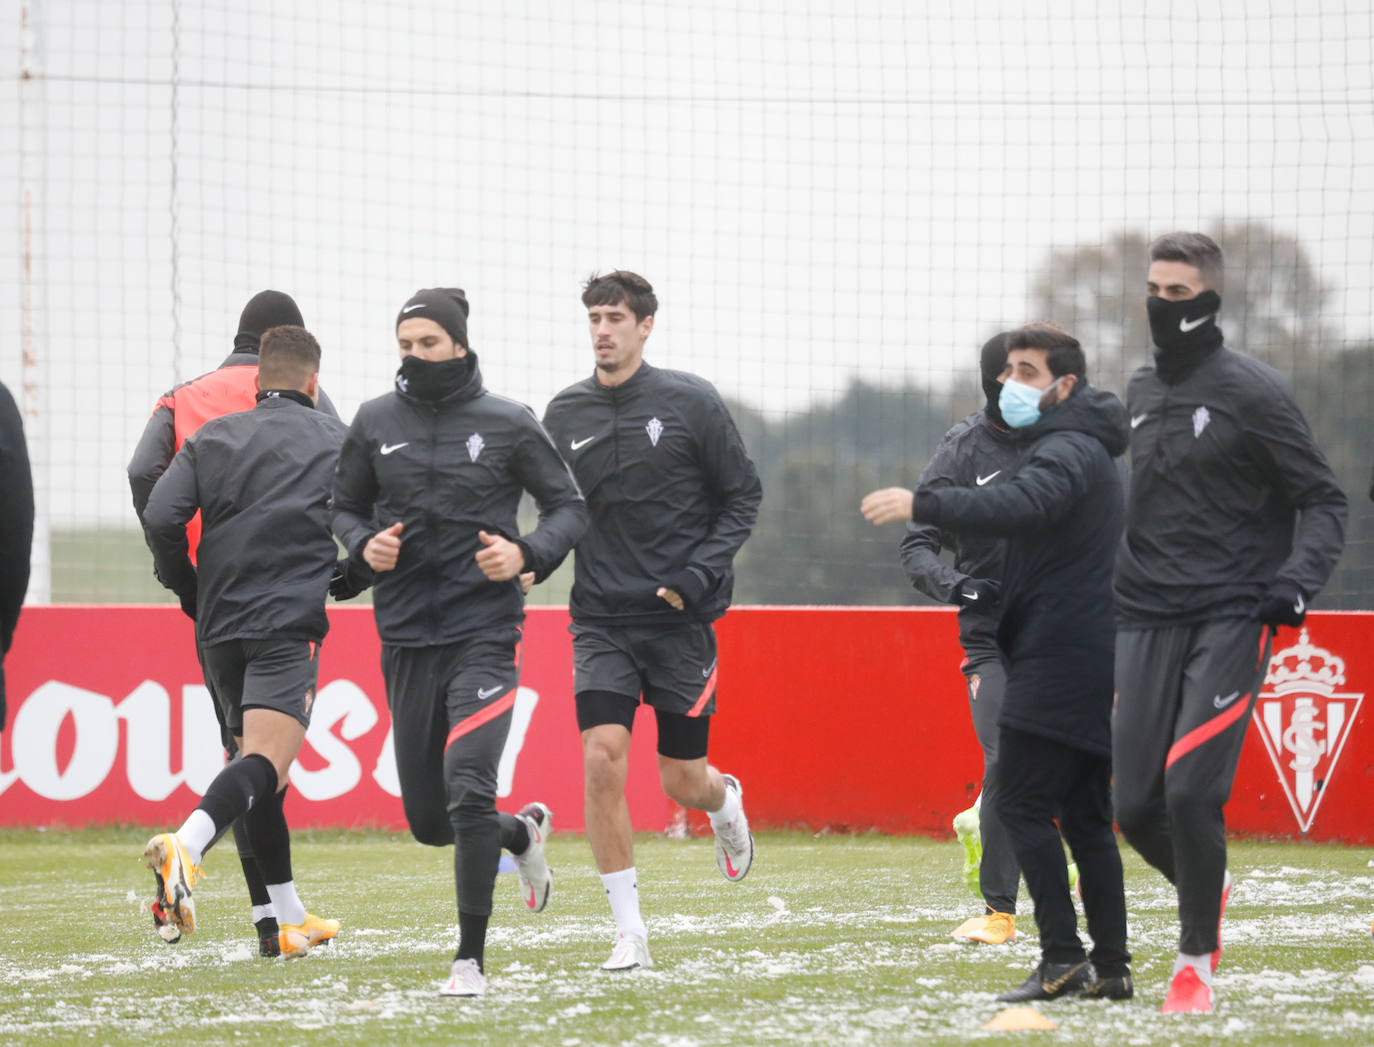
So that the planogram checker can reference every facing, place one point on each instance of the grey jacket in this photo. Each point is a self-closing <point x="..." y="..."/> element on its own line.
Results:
<point x="448" y="469"/>
<point x="672" y="493"/>
<point x="261" y="480"/>
<point x="974" y="453"/>
<point x="1229" y="493"/>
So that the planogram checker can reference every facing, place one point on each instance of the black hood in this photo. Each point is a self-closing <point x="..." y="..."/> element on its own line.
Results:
<point x="1087" y="410"/>
<point x="265" y="310"/>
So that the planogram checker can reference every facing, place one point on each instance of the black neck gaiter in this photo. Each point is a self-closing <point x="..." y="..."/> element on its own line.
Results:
<point x="285" y="394"/>
<point x="432" y="380"/>
<point x="1184" y="333"/>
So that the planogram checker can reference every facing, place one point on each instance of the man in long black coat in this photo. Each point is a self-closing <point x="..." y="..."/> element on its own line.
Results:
<point x="1062" y="515"/>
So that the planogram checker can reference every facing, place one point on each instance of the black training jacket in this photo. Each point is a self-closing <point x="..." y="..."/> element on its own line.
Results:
<point x="1061" y="514"/>
<point x="210" y="395"/>
<point x="974" y="453"/>
<point x="261" y="481"/>
<point x="670" y="488"/>
<point x="1229" y="492"/>
<point x="16" y="517"/>
<point x="447" y="469"/>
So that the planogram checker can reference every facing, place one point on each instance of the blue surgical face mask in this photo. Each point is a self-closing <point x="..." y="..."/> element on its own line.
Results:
<point x="1020" y="403"/>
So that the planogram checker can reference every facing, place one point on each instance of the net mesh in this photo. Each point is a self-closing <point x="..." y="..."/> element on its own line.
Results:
<point x="837" y="203"/>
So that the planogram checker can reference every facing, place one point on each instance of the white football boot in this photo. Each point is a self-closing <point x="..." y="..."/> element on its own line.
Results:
<point x="734" y="842"/>
<point x="536" y="878"/>
<point x="630" y="951"/>
<point x="465" y="979"/>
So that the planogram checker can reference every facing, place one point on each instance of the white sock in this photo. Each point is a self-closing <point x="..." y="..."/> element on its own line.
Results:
<point x="622" y="888"/>
<point x="195" y="835"/>
<point x="262" y="912"/>
<point x="286" y="902"/>
<point x="729" y="810"/>
<point x="1202" y="964"/>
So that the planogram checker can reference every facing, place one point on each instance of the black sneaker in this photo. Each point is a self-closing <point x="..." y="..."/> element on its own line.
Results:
<point x="1050" y="981"/>
<point x="1117" y="987"/>
<point x="269" y="936"/>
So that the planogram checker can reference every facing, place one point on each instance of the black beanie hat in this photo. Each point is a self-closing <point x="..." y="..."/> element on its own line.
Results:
<point x="446" y="306"/>
<point x="265" y="310"/>
<point x="992" y="360"/>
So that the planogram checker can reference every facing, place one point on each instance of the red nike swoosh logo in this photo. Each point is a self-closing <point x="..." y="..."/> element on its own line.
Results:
<point x="530" y="900"/>
<point x="729" y="868"/>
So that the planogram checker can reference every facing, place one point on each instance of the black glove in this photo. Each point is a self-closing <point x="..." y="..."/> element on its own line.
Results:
<point x="348" y="580"/>
<point x="188" y="605"/>
<point x="976" y="592"/>
<point x="690" y="583"/>
<point x="1283" y="604"/>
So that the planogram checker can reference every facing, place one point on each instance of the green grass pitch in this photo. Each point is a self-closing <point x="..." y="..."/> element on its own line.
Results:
<point x="830" y="940"/>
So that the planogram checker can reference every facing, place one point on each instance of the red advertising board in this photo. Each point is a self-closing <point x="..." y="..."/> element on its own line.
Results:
<point x="841" y="718"/>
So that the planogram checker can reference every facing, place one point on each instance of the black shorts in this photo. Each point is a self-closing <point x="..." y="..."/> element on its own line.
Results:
<point x="262" y="674"/>
<point x="674" y="669"/>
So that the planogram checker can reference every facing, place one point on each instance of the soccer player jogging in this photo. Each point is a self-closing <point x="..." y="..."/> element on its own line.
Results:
<point x="260" y="480"/>
<point x="672" y="495"/>
<point x="16" y="527"/>
<point x="177" y="414"/>
<point x="1235" y="522"/>
<point x="1061" y="514"/>
<point x="980" y="451"/>
<point x="439" y="465"/>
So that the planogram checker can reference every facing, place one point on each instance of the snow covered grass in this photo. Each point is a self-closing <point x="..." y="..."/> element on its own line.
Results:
<point x="831" y="939"/>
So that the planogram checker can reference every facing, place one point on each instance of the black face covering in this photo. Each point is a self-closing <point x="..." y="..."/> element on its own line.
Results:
<point x="992" y="361"/>
<point x="434" y="379"/>
<point x="1184" y="333"/>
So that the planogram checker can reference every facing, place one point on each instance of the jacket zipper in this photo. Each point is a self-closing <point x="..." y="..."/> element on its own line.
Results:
<point x="430" y="522"/>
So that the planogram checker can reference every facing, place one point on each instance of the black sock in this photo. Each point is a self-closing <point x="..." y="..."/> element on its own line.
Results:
<point x="252" y="875"/>
<point x="515" y="834"/>
<point x="472" y="937"/>
<point x="271" y="838"/>
<point x="237" y="787"/>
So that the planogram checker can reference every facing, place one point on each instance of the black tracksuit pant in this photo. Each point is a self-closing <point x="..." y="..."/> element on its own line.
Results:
<point x="1184" y="695"/>
<point x="1044" y="780"/>
<point x="999" y="876"/>
<point x="451" y="709"/>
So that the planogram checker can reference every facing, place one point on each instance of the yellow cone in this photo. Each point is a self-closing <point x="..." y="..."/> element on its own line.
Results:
<point x="1015" y="1019"/>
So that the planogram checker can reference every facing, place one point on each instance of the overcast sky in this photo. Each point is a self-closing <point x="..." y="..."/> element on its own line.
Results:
<point x="816" y="190"/>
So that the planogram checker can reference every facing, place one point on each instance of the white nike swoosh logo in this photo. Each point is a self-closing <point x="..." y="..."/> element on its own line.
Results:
<point x="388" y="448"/>
<point x="1191" y="325"/>
<point x="483" y="693"/>
<point x="1299" y="606"/>
<point x="1139" y="418"/>
<point x="984" y="479"/>
<point x="581" y="443"/>
<point x="970" y="596"/>
<point x="411" y="308"/>
<point x="1222" y="703"/>
<point x="706" y="673"/>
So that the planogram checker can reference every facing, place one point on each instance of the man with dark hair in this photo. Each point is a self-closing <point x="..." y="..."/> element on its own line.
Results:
<point x="232" y="387"/>
<point x="1235" y="522"/>
<point x="440" y="463"/>
<point x="1061" y="514"/>
<point x="260" y="480"/>
<point x="978" y="451"/>
<point x="673" y="495"/>
<point x="16" y="527"/>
